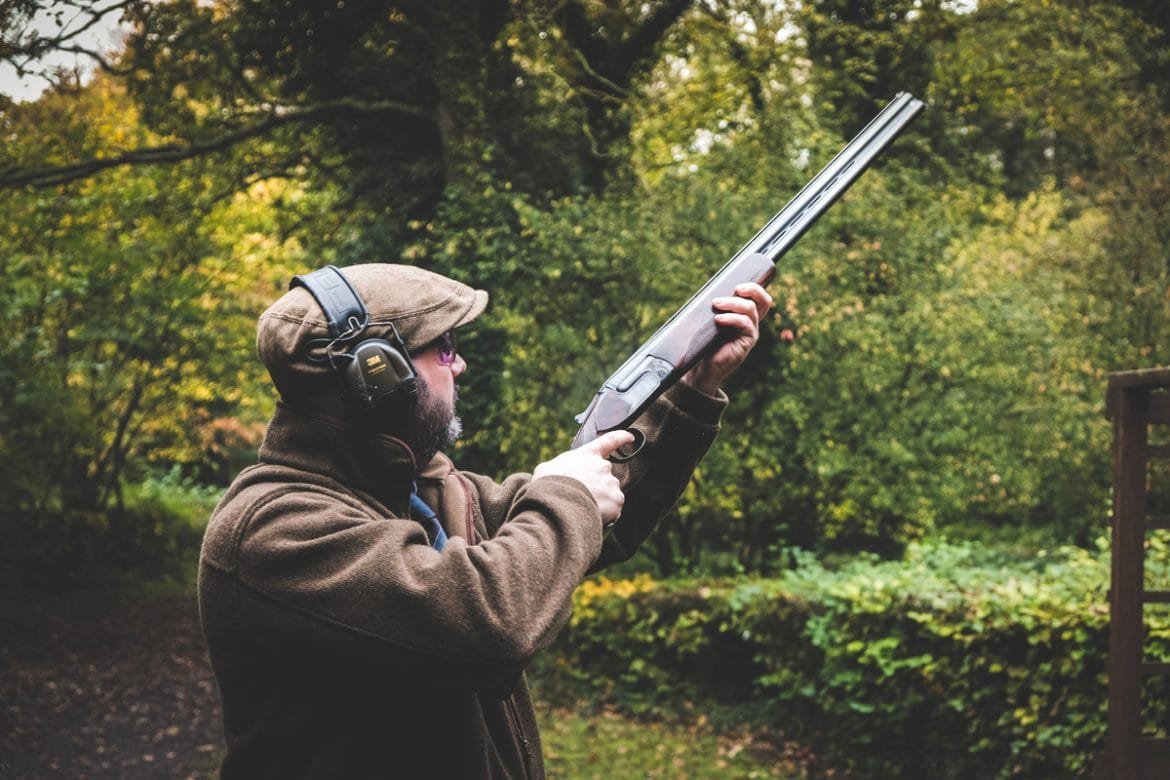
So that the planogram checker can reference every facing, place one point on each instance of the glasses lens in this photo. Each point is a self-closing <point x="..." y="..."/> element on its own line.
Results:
<point x="446" y="348"/>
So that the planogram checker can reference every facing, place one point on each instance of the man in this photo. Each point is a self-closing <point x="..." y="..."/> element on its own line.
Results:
<point x="369" y="609"/>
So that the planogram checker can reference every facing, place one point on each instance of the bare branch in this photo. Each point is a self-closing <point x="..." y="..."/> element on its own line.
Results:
<point x="96" y="16"/>
<point x="172" y="153"/>
<point x="103" y="63"/>
<point x="35" y="45"/>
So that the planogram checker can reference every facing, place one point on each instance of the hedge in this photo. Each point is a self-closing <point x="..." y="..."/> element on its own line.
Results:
<point x="952" y="663"/>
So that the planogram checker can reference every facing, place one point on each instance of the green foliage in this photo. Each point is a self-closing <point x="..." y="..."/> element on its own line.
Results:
<point x="130" y="309"/>
<point x="81" y="268"/>
<point x="179" y="500"/>
<point x="1033" y="123"/>
<point x="154" y="536"/>
<point x="591" y="164"/>
<point x="956" y="663"/>
<point x="932" y="321"/>
<point x="864" y="51"/>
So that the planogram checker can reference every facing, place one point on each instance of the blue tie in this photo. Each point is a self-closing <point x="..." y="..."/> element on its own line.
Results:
<point x="426" y="518"/>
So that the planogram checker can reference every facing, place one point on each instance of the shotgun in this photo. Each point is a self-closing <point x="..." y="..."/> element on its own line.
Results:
<point x="691" y="333"/>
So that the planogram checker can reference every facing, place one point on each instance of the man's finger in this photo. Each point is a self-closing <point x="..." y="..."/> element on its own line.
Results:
<point x="606" y="444"/>
<point x="757" y="294"/>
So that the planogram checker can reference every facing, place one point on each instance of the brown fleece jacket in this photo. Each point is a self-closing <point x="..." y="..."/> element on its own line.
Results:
<point x="345" y="646"/>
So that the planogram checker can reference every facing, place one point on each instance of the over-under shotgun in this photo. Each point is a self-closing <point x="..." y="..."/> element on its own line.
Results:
<point x="691" y="331"/>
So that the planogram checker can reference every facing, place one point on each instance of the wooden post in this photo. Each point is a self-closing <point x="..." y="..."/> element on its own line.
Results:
<point x="1130" y="437"/>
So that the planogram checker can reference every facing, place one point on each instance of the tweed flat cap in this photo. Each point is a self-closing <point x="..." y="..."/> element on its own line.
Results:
<point x="422" y="305"/>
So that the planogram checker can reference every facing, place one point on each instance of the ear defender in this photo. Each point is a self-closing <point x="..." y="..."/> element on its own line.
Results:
<point x="377" y="374"/>
<point x="380" y="376"/>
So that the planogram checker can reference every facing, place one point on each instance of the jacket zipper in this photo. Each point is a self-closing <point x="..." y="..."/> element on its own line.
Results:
<point x="519" y="729"/>
<point x="468" y="515"/>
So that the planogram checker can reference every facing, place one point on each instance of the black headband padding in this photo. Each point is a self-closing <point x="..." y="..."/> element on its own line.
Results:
<point x="344" y="310"/>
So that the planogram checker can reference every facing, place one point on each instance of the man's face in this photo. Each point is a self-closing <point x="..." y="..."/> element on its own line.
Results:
<point x="436" y="423"/>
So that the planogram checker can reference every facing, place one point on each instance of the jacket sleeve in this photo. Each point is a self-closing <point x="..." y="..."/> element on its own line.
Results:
<point x="679" y="428"/>
<point x="309" y="564"/>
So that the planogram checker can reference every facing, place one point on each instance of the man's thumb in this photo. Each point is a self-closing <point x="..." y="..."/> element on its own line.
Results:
<point x="606" y="444"/>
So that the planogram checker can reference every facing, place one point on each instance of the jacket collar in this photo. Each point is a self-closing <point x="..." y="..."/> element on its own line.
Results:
<point x="377" y="464"/>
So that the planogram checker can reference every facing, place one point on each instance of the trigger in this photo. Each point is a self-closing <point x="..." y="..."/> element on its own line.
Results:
<point x="627" y="453"/>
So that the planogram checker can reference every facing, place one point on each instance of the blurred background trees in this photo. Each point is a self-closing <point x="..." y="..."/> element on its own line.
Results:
<point x="591" y="163"/>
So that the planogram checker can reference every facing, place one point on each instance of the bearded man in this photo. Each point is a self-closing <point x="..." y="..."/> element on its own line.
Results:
<point x="369" y="609"/>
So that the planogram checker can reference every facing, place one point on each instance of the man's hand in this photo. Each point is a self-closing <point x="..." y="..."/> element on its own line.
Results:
<point x="740" y="316"/>
<point x="588" y="464"/>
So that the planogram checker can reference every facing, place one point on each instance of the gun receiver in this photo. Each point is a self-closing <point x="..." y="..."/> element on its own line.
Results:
<point x="691" y="331"/>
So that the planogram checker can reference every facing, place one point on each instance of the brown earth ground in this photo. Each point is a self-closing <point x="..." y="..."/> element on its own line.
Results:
<point x="105" y="685"/>
<point x="117" y="684"/>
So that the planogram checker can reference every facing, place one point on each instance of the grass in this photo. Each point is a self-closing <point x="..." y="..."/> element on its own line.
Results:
<point x="583" y="744"/>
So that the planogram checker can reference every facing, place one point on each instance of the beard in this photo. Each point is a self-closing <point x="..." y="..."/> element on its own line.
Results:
<point x="434" y="426"/>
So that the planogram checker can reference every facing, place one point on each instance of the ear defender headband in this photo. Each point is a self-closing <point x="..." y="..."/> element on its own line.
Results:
<point x="376" y="372"/>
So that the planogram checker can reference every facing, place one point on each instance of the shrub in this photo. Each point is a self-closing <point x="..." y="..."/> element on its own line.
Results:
<point x="155" y="533"/>
<point x="953" y="663"/>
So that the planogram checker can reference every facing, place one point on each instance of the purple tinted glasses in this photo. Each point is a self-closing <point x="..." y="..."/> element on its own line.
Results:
<point x="444" y="347"/>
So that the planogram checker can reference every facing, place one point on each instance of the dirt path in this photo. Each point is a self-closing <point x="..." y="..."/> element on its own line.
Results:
<point x="101" y="685"/>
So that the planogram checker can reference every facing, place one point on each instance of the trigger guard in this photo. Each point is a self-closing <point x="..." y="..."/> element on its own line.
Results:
<point x="623" y="455"/>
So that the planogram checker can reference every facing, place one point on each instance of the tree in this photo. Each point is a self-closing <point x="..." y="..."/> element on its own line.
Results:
<point x="429" y="93"/>
<point x="110" y="287"/>
<point x="864" y="51"/>
<point x="592" y="163"/>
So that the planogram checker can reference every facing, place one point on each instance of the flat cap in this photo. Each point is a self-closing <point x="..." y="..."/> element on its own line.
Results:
<point x="422" y="305"/>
